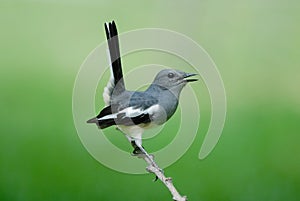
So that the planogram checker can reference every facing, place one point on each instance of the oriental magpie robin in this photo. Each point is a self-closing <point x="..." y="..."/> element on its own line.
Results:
<point x="134" y="111"/>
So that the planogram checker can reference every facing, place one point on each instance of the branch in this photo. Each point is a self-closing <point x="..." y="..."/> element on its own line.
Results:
<point x="167" y="181"/>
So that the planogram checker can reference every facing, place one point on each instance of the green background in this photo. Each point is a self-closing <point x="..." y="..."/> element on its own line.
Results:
<point x="255" y="45"/>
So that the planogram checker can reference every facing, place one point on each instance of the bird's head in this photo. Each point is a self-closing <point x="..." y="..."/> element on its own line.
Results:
<point x="173" y="79"/>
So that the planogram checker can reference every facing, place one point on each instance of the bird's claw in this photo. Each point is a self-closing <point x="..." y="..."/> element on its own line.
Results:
<point x="138" y="152"/>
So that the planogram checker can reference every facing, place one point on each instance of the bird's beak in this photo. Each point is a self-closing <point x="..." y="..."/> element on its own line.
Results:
<point x="186" y="75"/>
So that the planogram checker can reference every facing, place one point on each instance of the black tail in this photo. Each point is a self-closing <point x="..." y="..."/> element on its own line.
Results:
<point x="103" y="123"/>
<point x="114" y="50"/>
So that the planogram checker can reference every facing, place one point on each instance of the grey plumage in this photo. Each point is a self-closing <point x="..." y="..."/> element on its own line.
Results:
<point x="134" y="111"/>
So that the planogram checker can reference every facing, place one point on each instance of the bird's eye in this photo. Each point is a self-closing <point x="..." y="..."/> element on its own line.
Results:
<point x="171" y="75"/>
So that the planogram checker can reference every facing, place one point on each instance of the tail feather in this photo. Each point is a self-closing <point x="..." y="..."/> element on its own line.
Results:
<point x="102" y="123"/>
<point x="92" y="121"/>
<point x="114" y="50"/>
<point x="115" y="84"/>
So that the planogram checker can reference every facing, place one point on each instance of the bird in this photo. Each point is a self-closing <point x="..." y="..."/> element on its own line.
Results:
<point x="134" y="111"/>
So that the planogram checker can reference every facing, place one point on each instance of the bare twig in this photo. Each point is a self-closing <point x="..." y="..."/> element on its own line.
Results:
<point x="167" y="181"/>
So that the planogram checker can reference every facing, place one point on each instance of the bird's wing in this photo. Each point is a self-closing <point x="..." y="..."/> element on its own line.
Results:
<point x="139" y="110"/>
<point x="116" y="82"/>
<point x="142" y="100"/>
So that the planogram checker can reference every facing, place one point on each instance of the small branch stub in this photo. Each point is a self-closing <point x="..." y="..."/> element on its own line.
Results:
<point x="167" y="181"/>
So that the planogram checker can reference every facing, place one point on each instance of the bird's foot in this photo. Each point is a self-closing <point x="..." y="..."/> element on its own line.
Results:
<point x="138" y="152"/>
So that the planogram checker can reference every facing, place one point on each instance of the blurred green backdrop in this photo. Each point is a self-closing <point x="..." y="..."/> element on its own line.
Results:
<point x="255" y="45"/>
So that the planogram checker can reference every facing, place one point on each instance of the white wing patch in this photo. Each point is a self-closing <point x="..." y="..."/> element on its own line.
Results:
<point x="131" y="112"/>
<point x="153" y="109"/>
<point x="110" y="116"/>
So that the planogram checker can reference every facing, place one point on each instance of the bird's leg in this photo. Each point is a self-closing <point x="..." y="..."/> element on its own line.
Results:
<point x="137" y="151"/>
<point x="148" y="157"/>
<point x="141" y="151"/>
